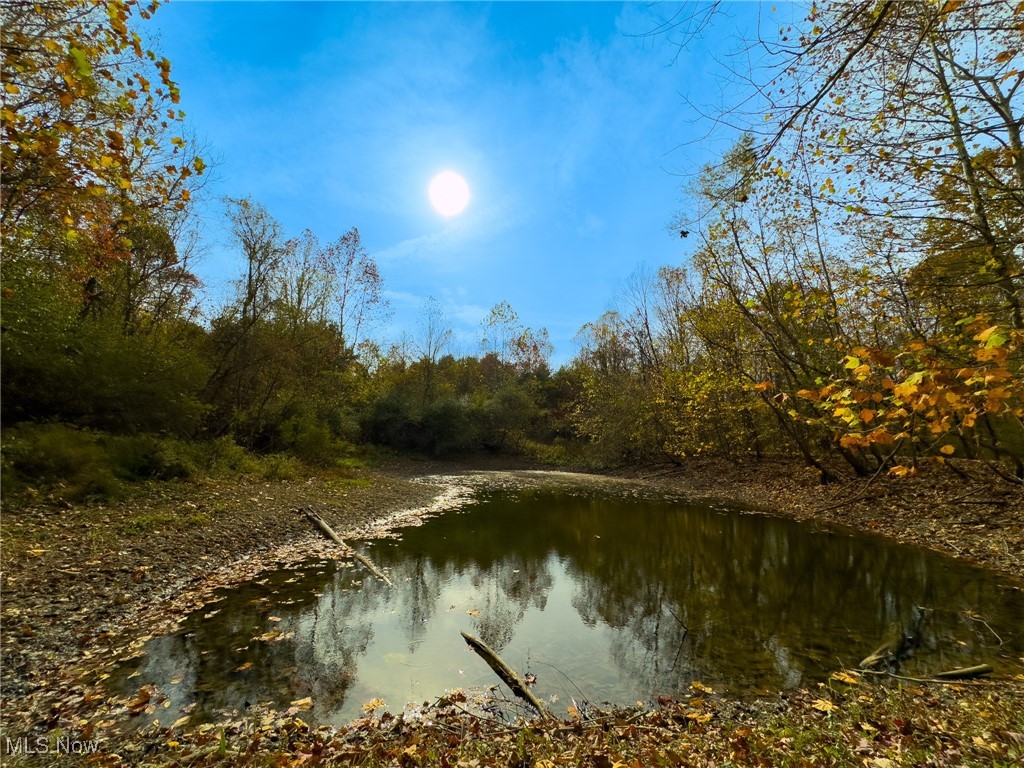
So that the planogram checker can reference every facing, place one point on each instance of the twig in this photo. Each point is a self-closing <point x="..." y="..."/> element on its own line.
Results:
<point x="978" y="618"/>
<point x="930" y="679"/>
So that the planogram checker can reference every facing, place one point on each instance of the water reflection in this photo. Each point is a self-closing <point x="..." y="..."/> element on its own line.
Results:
<point x="620" y="599"/>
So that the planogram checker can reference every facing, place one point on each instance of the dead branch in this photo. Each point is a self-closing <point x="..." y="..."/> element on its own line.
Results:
<point x="506" y="673"/>
<point x="330" y="534"/>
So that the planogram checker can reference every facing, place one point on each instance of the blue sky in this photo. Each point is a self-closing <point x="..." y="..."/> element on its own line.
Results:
<point x="574" y="130"/>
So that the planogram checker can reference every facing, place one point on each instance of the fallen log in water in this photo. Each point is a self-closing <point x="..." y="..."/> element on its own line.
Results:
<point x="965" y="673"/>
<point x="330" y="534"/>
<point x="506" y="673"/>
<point x="887" y="653"/>
<point x="897" y="647"/>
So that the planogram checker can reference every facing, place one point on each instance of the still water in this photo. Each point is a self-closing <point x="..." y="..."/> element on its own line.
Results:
<point x="603" y="598"/>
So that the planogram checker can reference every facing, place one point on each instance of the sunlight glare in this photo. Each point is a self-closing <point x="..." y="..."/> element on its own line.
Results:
<point x="449" y="193"/>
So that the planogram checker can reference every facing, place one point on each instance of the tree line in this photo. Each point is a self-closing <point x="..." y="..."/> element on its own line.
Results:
<point x="852" y="296"/>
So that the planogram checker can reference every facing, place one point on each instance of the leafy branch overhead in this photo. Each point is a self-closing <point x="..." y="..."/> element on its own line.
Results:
<point x="92" y="132"/>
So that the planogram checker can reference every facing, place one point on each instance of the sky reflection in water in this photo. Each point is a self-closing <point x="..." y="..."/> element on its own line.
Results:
<point x="603" y="598"/>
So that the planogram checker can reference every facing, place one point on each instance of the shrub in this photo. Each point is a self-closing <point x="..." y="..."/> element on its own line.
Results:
<point x="279" y="467"/>
<point x="69" y="462"/>
<point x="312" y="442"/>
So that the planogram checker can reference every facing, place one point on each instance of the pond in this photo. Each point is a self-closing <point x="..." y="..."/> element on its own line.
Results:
<point x="604" y="597"/>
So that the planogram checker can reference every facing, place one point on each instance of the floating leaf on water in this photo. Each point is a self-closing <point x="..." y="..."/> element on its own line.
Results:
<point x="373" y="704"/>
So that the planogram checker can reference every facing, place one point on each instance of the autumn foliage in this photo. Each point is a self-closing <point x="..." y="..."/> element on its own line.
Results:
<point x="856" y="289"/>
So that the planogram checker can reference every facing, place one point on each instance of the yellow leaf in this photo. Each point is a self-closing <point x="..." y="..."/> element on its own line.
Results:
<point x="901" y="471"/>
<point x="473" y="612"/>
<point x="305" y="703"/>
<point x="698" y="686"/>
<point x="846" y="677"/>
<point x="11" y="88"/>
<point x="823" y="705"/>
<point x="36" y="552"/>
<point x="373" y="704"/>
<point x="983" y="336"/>
<point x="947" y="449"/>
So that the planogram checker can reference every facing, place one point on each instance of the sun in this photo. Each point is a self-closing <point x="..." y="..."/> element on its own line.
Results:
<point x="449" y="193"/>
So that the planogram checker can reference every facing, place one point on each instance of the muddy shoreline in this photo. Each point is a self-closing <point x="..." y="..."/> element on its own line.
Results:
<point x="84" y="586"/>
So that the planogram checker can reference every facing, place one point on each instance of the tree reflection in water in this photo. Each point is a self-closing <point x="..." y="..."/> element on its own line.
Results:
<point x="622" y="598"/>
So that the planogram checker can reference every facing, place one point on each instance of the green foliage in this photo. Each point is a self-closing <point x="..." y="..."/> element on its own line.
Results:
<point x="70" y="462"/>
<point x="278" y="467"/>
<point x="81" y="464"/>
<point x="76" y="464"/>
<point x="64" y="362"/>
<point x="312" y="442"/>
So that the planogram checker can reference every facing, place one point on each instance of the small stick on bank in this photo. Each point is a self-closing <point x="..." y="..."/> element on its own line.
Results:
<point x="506" y="673"/>
<point x="330" y="534"/>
